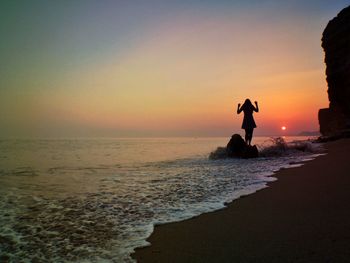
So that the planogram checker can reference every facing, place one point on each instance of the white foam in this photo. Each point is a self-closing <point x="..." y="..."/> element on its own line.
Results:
<point x="104" y="215"/>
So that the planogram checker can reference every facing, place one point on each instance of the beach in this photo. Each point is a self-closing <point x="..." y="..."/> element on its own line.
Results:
<point x="301" y="217"/>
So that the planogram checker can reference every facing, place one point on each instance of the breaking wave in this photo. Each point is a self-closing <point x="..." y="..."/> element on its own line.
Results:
<point x="95" y="201"/>
<point x="277" y="147"/>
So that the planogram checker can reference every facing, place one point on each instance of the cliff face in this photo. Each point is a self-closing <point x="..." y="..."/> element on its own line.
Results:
<point x="336" y="45"/>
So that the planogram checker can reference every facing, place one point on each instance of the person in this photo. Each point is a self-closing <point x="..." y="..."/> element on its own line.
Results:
<point x="248" y="121"/>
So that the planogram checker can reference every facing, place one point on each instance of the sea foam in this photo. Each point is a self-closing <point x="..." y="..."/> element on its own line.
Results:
<point x="85" y="201"/>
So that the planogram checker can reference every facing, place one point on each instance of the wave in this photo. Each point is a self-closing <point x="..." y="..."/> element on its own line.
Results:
<point x="279" y="147"/>
<point x="276" y="147"/>
<point x="104" y="216"/>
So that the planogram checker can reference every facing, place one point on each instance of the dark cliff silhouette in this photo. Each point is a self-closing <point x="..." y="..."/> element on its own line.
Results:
<point x="335" y="120"/>
<point x="248" y="123"/>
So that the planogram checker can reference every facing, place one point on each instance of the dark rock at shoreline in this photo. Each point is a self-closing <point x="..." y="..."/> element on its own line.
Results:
<point x="334" y="136"/>
<point x="236" y="148"/>
<point x="250" y="151"/>
<point x="332" y="121"/>
<point x="336" y="44"/>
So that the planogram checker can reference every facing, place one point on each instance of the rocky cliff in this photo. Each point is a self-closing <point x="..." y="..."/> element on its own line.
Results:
<point x="336" y="45"/>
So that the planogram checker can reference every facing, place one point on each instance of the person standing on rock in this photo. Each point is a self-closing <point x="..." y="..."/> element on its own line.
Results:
<point x="248" y="121"/>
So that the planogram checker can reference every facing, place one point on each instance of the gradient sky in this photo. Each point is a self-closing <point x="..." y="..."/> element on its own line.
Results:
<point x="160" y="68"/>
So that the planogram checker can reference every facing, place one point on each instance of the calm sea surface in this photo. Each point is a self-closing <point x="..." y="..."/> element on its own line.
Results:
<point x="95" y="200"/>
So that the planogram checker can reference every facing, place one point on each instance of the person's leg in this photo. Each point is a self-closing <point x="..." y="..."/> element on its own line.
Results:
<point x="251" y="136"/>
<point x="249" y="133"/>
<point x="246" y="136"/>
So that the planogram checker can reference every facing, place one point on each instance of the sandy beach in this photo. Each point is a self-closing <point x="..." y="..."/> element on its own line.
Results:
<point x="302" y="217"/>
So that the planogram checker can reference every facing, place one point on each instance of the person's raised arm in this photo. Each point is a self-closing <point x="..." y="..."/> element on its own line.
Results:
<point x="256" y="108"/>
<point x="239" y="109"/>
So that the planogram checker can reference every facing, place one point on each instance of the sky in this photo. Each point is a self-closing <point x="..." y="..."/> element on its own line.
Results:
<point x="108" y="68"/>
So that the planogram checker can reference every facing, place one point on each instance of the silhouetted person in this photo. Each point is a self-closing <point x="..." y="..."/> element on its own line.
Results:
<point x="248" y="121"/>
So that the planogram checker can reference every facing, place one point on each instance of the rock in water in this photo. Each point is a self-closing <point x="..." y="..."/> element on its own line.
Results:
<point x="219" y="153"/>
<point x="250" y="151"/>
<point x="336" y="44"/>
<point x="237" y="147"/>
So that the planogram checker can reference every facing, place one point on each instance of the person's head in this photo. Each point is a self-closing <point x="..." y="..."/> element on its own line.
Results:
<point x="247" y="102"/>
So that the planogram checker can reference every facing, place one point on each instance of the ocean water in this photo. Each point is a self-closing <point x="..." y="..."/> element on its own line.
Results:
<point x="96" y="200"/>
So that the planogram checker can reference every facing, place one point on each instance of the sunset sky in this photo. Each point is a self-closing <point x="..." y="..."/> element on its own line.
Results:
<point x="160" y="68"/>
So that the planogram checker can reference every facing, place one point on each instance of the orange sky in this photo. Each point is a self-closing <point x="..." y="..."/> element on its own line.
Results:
<point x="183" y="76"/>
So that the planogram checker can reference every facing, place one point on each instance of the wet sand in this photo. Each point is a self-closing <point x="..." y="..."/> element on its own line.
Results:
<point x="302" y="217"/>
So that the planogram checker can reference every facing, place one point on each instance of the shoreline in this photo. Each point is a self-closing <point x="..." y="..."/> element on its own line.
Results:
<point x="275" y="224"/>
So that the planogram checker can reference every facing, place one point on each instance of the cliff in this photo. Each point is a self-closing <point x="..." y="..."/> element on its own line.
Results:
<point x="336" y="44"/>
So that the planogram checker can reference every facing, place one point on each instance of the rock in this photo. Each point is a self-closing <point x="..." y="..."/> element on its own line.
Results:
<point x="336" y="44"/>
<point x="332" y="121"/>
<point x="250" y="151"/>
<point x="235" y="146"/>
<point x="219" y="153"/>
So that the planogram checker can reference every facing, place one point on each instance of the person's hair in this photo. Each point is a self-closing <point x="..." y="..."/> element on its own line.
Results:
<point x="247" y="102"/>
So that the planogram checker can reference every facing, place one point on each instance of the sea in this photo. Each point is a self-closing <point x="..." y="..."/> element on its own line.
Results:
<point x="96" y="200"/>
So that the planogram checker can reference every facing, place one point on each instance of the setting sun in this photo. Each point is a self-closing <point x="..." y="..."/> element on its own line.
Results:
<point x="283" y="128"/>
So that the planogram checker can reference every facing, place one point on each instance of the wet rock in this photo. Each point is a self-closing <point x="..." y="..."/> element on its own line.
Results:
<point x="236" y="148"/>
<point x="250" y="151"/>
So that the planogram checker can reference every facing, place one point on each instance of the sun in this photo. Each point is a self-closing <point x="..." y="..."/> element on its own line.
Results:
<point x="283" y="128"/>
